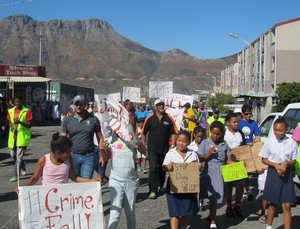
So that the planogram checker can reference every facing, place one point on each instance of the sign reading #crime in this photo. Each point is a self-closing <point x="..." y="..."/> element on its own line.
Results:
<point x="184" y="178"/>
<point x="234" y="171"/>
<point x="74" y="205"/>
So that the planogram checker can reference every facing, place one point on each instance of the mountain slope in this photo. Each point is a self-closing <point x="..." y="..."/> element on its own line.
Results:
<point x="90" y="53"/>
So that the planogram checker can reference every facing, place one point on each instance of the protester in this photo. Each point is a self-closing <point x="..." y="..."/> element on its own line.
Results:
<point x="141" y="159"/>
<point x="250" y="129"/>
<point x="181" y="206"/>
<point x="90" y="107"/>
<point x="234" y="138"/>
<point x="185" y="121"/>
<point x="214" y="151"/>
<point x="123" y="182"/>
<point x="279" y="153"/>
<point x="160" y="128"/>
<point x="56" y="167"/>
<point x="19" y="118"/>
<point x="132" y="116"/>
<point x="249" y="126"/>
<point x="80" y="128"/>
<point x="192" y="117"/>
<point x="198" y="136"/>
<point x="141" y="113"/>
<point x="203" y="116"/>
<point x="215" y="117"/>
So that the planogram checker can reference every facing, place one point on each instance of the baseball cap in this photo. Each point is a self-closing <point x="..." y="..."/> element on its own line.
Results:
<point x="78" y="98"/>
<point x="158" y="102"/>
<point x="216" y="110"/>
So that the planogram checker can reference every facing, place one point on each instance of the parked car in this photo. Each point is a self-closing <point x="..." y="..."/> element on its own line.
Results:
<point x="266" y="127"/>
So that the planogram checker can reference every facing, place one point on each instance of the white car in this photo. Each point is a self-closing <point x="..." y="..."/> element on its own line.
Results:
<point x="266" y="127"/>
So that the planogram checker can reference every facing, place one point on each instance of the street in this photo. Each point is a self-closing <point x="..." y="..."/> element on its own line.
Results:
<point x="149" y="213"/>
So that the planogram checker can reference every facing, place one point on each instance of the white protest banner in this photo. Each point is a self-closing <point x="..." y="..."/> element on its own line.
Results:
<point x="116" y="96"/>
<point x="160" y="89"/>
<point x="73" y="205"/>
<point x="176" y="114"/>
<point x="116" y="116"/>
<point x="178" y="100"/>
<point x="132" y="93"/>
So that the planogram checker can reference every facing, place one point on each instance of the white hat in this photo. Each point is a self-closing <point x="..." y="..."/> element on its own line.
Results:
<point x="158" y="101"/>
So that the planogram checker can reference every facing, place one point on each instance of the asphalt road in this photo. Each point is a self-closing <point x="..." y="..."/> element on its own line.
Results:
<point x="149" y="213"/>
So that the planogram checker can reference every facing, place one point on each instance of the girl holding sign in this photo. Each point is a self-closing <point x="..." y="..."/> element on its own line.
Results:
<point x="214" y="151"/>
<point x="57" y="166"/>
<point x="180" y="206"/>
<point x="279" y="153"/>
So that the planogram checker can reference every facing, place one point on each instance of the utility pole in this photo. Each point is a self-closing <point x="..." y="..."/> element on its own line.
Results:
<point x="40" y="51"/>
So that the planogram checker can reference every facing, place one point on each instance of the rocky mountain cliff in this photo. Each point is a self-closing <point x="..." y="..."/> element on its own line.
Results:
<point x="92" y="54"/>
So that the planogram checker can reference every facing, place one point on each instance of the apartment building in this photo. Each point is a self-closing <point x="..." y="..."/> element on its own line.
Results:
<point x="269" y="60"/>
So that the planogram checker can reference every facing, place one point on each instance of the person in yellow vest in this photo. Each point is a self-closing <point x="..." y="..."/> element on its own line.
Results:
<point x="215" y="117"/>
<point x="19" y="118"/>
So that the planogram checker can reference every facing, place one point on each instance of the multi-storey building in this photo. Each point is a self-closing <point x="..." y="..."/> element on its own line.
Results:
<point x="269" y="60"/>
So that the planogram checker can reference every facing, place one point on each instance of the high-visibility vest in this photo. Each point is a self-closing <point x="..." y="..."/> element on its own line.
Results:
<point x="23" y="133"/>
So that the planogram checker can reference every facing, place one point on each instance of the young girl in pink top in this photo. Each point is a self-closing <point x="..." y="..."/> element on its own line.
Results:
<point x="57" y="166"/>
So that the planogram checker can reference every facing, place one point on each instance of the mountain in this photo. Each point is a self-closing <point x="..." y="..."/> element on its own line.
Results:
<point x="91" y="53"/>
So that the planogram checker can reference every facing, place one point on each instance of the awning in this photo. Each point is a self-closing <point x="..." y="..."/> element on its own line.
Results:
<point x="19" y="79"/>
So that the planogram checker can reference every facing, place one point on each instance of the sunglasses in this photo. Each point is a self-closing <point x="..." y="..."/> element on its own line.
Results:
<point x="247" y="113"/>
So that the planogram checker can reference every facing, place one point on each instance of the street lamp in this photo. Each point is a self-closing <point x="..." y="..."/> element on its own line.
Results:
<point x="215" y="78"/>
<point x="238" y="37"/>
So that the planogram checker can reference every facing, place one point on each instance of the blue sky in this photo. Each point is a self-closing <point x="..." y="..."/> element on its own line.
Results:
<point x="198" y="27"/>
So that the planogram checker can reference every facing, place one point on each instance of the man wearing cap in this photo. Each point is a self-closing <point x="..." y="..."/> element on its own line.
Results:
<point x="210" y="120"/>
<point x="160" y="128"/>
<point x="80" y="128"/>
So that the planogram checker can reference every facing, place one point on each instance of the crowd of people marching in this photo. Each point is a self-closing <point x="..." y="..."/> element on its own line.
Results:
<point x="83" y="146"/>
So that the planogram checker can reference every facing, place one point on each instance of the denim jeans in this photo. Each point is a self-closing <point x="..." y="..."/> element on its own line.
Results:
<point x="84" y="164"/>
<point x="17" y="154"/>
<point x="123" y="192"/>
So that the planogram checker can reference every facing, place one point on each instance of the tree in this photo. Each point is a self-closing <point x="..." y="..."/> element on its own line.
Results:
<point x="286" y="93"/>
<point x="220" y="99"/>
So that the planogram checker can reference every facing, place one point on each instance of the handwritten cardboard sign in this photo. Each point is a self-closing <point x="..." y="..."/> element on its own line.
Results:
<point x="185" y="178"/>
<point x="160" y="89"/>
<point x="132" y="93"/>
<point x="73" y="205"/>
<point x="234" y="171"/>
<point x="249" y="155"/>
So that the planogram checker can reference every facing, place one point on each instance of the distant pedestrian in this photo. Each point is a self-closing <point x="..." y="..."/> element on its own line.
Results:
<point x="181" y="206"/>
<point x="19" y="118"/>
<point x="279" y="153"/>
<point x="160" y="128"/>
<point x="80" y="128"/>
<point x="56" y="167"/>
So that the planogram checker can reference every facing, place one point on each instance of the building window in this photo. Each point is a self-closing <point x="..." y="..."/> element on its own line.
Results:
<point x="273" y="64"/>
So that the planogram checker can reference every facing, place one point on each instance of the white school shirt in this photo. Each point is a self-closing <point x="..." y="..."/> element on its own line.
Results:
<point x="174" y="156"/>
<point x="233" y="140"/>
<point x="193" y="146"/>
<point x="279" y="150"/>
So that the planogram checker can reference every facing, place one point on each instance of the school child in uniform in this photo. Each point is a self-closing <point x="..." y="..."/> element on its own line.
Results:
<point x="234" y="138"/>
<point x="180" y="206"/>
<point x="279" y="153"/>
<point x="214" y="151"/>
<point x="141" y="159"/>
<point x="57" y="166"/>
<point x="198" y="136"/>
